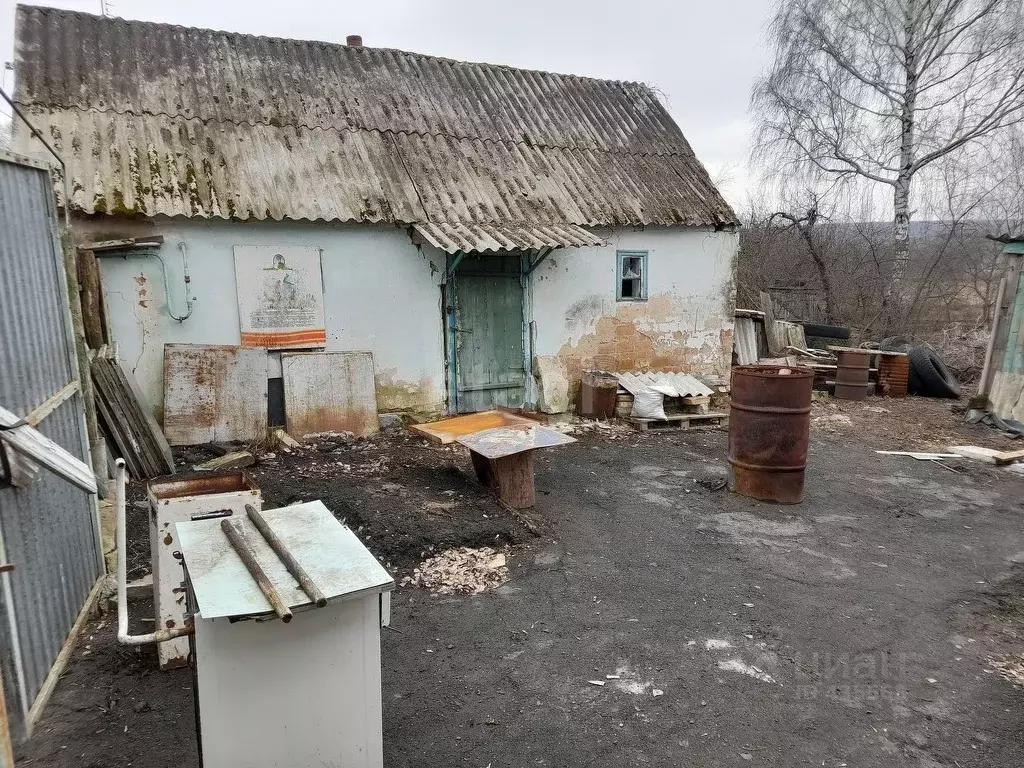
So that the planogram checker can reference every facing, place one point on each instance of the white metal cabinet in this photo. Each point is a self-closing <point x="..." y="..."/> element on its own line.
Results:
<point x="305" y="694"/>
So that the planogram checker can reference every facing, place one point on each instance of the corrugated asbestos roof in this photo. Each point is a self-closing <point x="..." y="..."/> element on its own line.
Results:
<point x="162" y="119"/>
<point x="493" y="238"/>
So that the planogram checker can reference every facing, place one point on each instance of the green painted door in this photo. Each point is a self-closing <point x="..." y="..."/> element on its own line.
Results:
<point x="1013" y="359"/>
<point x="488" y="333"/>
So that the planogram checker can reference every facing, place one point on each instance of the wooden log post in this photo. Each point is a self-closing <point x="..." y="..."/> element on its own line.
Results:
<point x="96" y="442"/>
<point x="92" y="299"/>
<point x="511" y="477"/>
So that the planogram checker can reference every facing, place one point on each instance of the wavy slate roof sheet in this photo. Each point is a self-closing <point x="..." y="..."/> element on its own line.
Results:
<point x="162" y="119"/>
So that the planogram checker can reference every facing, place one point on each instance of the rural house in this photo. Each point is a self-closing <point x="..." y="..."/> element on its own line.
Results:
<point x="488" y="233"/>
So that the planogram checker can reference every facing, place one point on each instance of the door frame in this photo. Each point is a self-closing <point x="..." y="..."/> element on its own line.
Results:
<point x="452" y="263"/>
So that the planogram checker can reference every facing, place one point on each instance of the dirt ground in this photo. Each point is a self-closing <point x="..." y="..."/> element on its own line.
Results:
<point x="880" y="622"/>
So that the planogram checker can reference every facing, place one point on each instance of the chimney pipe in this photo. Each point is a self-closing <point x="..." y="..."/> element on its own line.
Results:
<point x="354" y="41"/>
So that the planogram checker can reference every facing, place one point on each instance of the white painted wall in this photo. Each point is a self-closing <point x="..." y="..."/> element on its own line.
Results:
<point x="688" y="315"/>
<point x="380" y="293"/>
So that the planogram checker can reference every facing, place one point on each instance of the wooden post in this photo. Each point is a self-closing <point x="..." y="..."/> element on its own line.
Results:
<point x="997" y="315"/>
<point x="92" y="299"/>
<point x="511" y="477"/>
<point x="96" y="443"/>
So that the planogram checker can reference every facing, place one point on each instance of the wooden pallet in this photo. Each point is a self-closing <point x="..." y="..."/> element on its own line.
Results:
<point x="680" y="421"/>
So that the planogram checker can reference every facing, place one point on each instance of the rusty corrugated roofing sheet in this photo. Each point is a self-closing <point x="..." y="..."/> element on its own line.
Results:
<point x="156" y="118"/>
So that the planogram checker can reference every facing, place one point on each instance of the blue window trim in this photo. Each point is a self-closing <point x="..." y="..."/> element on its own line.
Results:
<point x="644" y="275"/>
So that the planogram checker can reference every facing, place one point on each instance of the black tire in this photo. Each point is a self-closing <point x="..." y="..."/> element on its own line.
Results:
<point x="895" y="344"/>
<point x="933" y="379"/>
<point x="818" y="342"/>
<point x="827" y="331"/>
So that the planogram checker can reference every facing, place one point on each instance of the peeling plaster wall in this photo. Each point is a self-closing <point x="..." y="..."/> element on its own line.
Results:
<point x="380" y="293"/>
<point x="1008" y="395"/>
<point x="685" y="325"/>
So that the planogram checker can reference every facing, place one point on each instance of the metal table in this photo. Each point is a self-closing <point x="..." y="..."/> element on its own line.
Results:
<point x="501" y="445"/>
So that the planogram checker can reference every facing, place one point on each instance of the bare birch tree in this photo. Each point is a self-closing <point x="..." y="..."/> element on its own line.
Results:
<point x="877" y="90"/>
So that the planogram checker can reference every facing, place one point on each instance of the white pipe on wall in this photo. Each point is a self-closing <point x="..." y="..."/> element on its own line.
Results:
<point x="160" y="635"/>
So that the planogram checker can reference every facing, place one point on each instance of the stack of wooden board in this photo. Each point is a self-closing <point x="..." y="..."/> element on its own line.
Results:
<point x="127" y="424"/>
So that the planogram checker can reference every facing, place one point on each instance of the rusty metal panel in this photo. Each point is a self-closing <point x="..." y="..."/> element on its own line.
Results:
<point x="214" y="393"/>
<point x="769" y="431"/>
<point x="271" y="129"/>
<point x="329" y="392"/>
<point x="49" y="529"/>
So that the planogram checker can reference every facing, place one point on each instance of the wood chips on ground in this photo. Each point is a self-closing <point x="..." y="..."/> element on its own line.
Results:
<point x="461" y="571"/>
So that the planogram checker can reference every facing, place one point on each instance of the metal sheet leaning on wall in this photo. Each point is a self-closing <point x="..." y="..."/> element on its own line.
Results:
<point x="49" y="529"/>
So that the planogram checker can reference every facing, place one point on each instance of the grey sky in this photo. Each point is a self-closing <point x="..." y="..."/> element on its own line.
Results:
<point x="702" y="56"/>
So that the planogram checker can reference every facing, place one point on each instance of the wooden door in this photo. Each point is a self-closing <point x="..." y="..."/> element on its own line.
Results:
<point x="490" y="368"/>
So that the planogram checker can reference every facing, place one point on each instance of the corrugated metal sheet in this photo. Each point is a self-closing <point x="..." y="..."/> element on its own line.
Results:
<point x="154" y="118"/>
<point x="48" y="529"/>
<point x="745" y="341"/>
<point x="214" y="394"/>
<point x="330" y="392"/>
<point x="683" y="384"/>
<point x="492" y="238"/>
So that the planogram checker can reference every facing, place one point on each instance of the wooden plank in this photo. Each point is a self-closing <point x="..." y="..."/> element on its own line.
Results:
<point x="135" y="431"/>
<point x="52" y="403"/>
<point x="35" y="446"/>
<point x="677" y="421"/>
<point x="146" y="421"/>
<point x="115" y="428"/>
<point x="117" y="422"/>
<point x="59" y="664"/>
<point x="1009" y="457"/>
<point x="214" y="393"/>
<point x="987" y="455"/>
<point x="447" y="431"/>
<point x="330" y="392"/>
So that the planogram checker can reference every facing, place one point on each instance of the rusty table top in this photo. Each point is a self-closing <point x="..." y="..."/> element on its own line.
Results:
<point x="506" y="441"/>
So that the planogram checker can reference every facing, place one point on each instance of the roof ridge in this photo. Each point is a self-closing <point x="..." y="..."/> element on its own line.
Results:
<point x="45" y="9"/>
<point x="50" y="108"/>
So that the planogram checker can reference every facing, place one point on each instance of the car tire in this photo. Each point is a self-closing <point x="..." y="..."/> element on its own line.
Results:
<point x="895" y="344"/>
<point x="932" y="377"/>
<point x="826" y="331"/>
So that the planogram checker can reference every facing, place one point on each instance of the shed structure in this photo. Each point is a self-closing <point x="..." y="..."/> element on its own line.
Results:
<point x="487" y="232"/>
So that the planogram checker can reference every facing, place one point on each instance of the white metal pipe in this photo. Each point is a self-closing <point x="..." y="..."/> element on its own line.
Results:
<point x="160" y="635"/>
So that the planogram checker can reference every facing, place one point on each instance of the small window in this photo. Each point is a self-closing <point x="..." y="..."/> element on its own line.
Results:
<point x="632" y="281"/>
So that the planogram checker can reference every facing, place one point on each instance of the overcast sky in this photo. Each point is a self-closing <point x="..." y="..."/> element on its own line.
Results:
<point x="702" y="56"/>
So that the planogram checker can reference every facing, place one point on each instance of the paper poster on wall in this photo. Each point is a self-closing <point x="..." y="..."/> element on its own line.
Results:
<point x="280" y="297"/>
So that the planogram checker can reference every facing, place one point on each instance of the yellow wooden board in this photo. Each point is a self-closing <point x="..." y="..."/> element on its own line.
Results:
<point x="447" y="431"/>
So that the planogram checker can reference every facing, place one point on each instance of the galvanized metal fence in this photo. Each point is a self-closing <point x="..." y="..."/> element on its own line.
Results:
<point x="48" y="530"/>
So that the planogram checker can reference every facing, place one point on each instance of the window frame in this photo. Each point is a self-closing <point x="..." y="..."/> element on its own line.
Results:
<point x="620" y="256"/>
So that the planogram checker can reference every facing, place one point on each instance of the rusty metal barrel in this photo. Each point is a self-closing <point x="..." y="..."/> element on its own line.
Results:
<point x="852" y="371"/>
<point x="769" y="430"/>
<point x="893" y="374"/>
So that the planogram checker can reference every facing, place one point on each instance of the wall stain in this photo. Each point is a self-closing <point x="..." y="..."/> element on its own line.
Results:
<point x="420" y="398"/>
<point x="663" y="334"/>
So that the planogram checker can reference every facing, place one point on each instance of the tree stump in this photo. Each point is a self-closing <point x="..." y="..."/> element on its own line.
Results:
<point x="511" y="477"/>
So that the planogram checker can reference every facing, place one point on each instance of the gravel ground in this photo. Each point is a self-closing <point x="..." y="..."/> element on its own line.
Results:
<point x="871" y="625"/>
